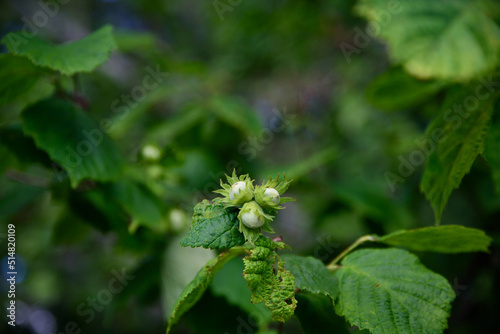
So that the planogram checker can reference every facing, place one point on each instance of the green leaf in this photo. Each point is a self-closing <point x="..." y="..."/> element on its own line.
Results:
<point x="177" y="125"/>
<point x="230" y="284"/>
<point x="236" y="114"/>
<point x="492" y="147"/>
<point x="140" y="202"/>
<point x="214" y="226"/>
<point x="457" y="134"/>
<point x="14" y="196"/>
<point x="429" y="36"/>
<point x="179" y="267"/>
<point x="368" y="199"/>
<point x="397" y="90"/>
<point x="305" y="166"/>
<point x="83" y="55"/>
<point x="441" y="239"/>
<point x="311" y="275"/>
<point x="18" y="76"/>
<point x="197" y="287"/>
<point x="390" y="291"/>
<point x="269" y="281"/>
<point x="135" y="41"/>
<point x="72" y="139"/>
<point x="316" y="315"/>
<point x="122" y="126"/>
<point x="22" y="146"/>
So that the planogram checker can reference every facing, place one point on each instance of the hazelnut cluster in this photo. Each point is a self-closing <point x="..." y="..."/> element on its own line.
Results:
<point x="257" y="204"/>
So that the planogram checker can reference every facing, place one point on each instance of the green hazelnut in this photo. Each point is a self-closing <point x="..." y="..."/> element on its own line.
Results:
<point x="252" y="215"/>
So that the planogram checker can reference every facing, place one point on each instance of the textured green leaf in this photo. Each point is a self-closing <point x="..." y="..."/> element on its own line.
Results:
<point x="139" y="202"/>
<point x="492" y="147"/>
<point x="269" y="281"/>
<point x="441" y="239"/>
<point x="72" y="139"/>
<point x="214" y="226"/>
<point x="197" y="287"/>
<point x="397" y="90"/>
<point x="462" y="131"/>
<point x="83" y="55"/>
<point x="390" y="291"/>
<point x="316" y="315"/>
<point x="311" y="275"/>
<point x="18" y="76"/>
<point x="429" y="36"/>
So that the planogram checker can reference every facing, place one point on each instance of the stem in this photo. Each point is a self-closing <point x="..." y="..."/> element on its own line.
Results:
<point x="333" y="265"/>
<point x="76" y="83"/>
<point x="280" y="327"/>
<point x="26" y="178"/>
<point x="76" y="97"/>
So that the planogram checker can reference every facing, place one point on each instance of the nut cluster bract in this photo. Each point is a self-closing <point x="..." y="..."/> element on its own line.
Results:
<point x="257" y="204"/>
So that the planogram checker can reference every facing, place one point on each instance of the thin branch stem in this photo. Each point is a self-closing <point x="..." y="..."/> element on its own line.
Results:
<point x="333" y="265"/>
<point x="280" y="327"/>
<point x="30" y="179"/>
<point x="76" y="84"/>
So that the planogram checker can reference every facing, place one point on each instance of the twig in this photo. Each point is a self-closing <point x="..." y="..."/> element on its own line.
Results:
<point x="333" y="265"/>
<point x="76" y="84"/>
<point x="280" y="327"/>
<point x="29" y="179"/>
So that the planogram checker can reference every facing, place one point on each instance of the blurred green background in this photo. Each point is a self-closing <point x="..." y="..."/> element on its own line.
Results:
<point x="260" y="86"/>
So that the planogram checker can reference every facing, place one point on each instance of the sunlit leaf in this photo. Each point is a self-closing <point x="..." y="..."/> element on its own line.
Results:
<point x="428" y="37"/>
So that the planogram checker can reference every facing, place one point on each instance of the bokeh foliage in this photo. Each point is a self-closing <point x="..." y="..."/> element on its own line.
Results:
<point x="269" y="86"/>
